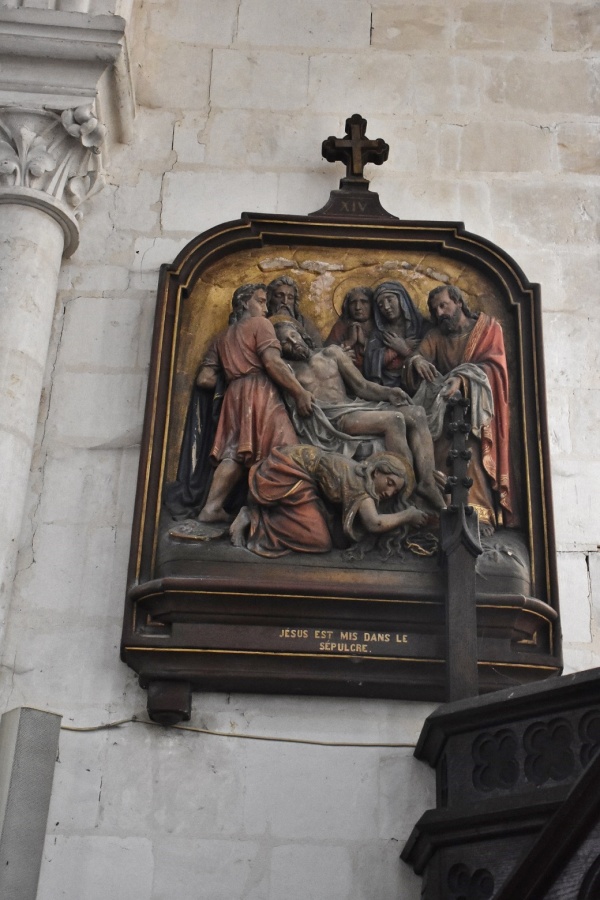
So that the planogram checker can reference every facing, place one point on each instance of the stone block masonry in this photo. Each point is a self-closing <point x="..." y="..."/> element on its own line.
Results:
<point x="492" y="114"/>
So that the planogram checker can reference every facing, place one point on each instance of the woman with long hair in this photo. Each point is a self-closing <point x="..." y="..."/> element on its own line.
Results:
<point x="296" y="496"/>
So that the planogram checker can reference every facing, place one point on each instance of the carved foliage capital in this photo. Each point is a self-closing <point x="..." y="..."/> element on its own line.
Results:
<point x="58" y="155"/>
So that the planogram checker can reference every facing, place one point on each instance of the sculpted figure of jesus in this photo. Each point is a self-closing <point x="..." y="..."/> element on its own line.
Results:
<point x="346" y="404"/>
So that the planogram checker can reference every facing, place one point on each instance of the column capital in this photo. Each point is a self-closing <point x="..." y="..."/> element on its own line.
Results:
<point x="51" y="161"/>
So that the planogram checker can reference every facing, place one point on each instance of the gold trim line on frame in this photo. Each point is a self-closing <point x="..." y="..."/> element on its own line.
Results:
<point x="261" y="594"/>
<point x="393" y="659"/>
<point x="282" y="653"/>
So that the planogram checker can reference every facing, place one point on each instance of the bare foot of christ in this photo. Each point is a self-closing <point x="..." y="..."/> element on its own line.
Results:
<point x="430" y="492"/>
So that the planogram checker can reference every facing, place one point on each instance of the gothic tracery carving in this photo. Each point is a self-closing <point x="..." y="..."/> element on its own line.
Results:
<point x="466" y="885"/>
<point x="549" y="753"/>
<point x="495" y="758"/>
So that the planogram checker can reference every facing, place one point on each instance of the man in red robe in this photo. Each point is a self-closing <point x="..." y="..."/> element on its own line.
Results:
<point x="465" y="352"/>
<point x="253" y="418"/>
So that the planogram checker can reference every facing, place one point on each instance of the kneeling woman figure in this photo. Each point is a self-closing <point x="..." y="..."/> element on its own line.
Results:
<point x="286" y="511"/>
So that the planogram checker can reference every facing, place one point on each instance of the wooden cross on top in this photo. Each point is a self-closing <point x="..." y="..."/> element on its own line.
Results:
<point x="355" y="149"/>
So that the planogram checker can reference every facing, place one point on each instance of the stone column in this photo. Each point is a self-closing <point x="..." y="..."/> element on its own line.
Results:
<point x="68" y="61"/>
<point x="49" y="164"/>
<point x="28" y="749"/>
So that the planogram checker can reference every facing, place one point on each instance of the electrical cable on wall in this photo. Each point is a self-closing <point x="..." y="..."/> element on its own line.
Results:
<point x="229" y="734"/>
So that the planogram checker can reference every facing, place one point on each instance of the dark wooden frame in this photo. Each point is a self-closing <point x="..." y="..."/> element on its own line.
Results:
<point x="518" y="637"/>
<point x="537" y="837"/>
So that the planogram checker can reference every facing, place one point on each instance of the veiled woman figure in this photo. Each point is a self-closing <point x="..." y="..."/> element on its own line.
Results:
<point x="286" y="493"/>
<point x="399" y="327"/>
<point x="352" y="329"/>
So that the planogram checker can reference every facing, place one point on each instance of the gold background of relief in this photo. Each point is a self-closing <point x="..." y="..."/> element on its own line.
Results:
<point x="323" y="275"/>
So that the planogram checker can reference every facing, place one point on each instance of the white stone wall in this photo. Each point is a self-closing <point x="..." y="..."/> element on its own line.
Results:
<point x="492" y="113"/>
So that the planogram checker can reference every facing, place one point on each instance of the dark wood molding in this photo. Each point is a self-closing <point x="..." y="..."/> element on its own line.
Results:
<point x="518" y="637"/>
<point x="518" y="777"/>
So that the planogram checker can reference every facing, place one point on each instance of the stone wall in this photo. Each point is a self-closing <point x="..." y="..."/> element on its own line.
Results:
<point x="491" y="110"/>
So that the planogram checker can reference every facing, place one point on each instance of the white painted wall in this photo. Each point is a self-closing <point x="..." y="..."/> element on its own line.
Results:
<point x="492" y="113"/>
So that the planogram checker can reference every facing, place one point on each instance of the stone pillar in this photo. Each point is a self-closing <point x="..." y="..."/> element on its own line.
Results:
<point x="49" y="164"/>
<point x="57" y="64"/>
<point x="28" y="750"/>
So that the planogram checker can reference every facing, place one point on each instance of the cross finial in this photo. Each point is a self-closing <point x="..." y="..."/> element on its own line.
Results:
<point x="354" y="200"/>
<point x="355" y="149"/>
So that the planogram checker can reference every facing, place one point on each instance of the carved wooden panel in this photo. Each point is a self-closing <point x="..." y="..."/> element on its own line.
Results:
<point x="210" y="616"/>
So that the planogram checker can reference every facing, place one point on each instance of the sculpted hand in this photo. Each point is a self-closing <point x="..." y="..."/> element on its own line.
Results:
<point x="401" y="346"/>
<point x="359" y="336"/>
<point x="349" y="351"/>
<point x="440" y="479"/>
<point x="451" y="387"/>
<point x="415" y="516"/>
<point x="304" y="402"/>
<point x="424" y="368"/>
<point x="206" y="378"/>
<point x="399" y="397"/>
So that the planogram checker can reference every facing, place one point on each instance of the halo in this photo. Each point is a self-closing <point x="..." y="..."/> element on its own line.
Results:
<point x="348" y="284"/>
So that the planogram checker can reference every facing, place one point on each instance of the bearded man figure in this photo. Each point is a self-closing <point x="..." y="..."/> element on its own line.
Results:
<point x="283" y="299"/>
<point x="464" y="352"/>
